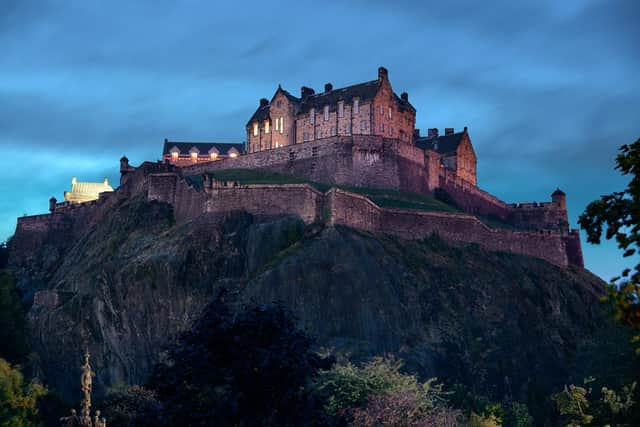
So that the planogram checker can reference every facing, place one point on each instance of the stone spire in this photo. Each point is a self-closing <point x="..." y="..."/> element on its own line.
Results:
<point x="86" y="385"/>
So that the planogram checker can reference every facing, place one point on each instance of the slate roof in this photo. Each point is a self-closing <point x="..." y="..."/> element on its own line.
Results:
<point x="445" y="144"/>
<point x="364" y="91"/>
<point x="204" y="147"/>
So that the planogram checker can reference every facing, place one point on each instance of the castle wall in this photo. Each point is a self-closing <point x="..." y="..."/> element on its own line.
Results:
<point x="538" y="215"/>
<point x="359" y="212"/>
<point x="471" y="198"/>
<point x="357" y="160"/>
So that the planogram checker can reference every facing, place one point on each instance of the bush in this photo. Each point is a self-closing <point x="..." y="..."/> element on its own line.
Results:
<point x="12" y="339"/>
<point x="133" y="406"/>
<point x="378" y="393"/>
<point x="249" y="369"/>
<point x="18" y="402"/>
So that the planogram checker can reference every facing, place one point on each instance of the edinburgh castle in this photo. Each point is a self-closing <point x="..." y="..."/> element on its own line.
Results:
<point x="334" y="145"/>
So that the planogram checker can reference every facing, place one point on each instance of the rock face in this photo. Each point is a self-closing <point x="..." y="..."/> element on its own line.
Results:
<point x="504" y="325"/>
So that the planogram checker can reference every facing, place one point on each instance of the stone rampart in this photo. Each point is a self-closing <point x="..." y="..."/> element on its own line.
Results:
<point x="358" y="160"/>
<point x="191" y="198"/>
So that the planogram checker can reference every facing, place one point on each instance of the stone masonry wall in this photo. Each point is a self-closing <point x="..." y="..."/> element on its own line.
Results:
<point x="359" y="160"/>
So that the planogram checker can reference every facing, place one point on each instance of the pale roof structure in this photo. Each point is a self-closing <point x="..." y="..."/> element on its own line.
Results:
<point x="82" y="192"/>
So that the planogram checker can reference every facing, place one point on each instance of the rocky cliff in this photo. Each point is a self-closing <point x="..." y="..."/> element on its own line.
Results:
<point x="504" y="325"/>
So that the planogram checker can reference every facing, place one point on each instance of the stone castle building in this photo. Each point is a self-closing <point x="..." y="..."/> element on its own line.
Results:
<point x="370" y="108"/>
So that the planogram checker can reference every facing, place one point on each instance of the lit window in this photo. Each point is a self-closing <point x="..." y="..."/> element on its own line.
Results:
<point x="389" y="112"/>
<point x="341" y="109"/>
<point x="277" y="124"/>
<point x="232" y="155"/>
<point x="194" y="156"/>
<point x="356" y="105"/>
<point x="281" y="124"/>
<point x="266" y="126"/>
<point x="312" y="116"/>
<point x="174" y="155"/>
<point x="326" y="112"/>
<point x="214" y="156"/>
<point x="255" y="129"/>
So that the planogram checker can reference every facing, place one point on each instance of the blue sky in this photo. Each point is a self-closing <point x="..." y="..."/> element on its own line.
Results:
<point x="548" y="89"/>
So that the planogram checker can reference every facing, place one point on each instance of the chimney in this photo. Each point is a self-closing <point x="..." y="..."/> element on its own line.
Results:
<point x="306" y="91"/>
<point x="328" y="87"/>
<point x="383" y="74"/>
<point x="448" y="131"/>
<point x="432" y="133"/>
<point x="264" y="102"/>
<point x="416" y="133"/>
<point x="404" y="96"/>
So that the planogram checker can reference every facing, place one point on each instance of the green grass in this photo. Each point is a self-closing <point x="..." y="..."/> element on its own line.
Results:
<point x="401" y="199"/>
<point x="249" y="176"/>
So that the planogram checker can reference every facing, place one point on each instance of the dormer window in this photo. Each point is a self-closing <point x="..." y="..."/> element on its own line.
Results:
<point x="175" y="153"/>
<point x="213" y="153"/>
<point x="341" y="109"/>
<point x="255" y="129"/>
<point x="356" y="105"/>
<point x="266" y="126"/>
<point x="233" y="153"/>
<point x="194" y="152"/>
<point x="326" y="112"/>
<point x="312" y="116"/>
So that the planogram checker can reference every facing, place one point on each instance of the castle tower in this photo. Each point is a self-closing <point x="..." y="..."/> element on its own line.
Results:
<point x="560" y="198"/>
<point x="52" y="204"/>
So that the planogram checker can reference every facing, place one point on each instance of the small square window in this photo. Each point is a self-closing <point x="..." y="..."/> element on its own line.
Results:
<point x="356" y="106"/>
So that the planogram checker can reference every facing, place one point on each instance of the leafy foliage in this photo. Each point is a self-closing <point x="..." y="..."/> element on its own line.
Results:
<point x="377" y="393"/>
<point x="251" y="368"/>
<point x="580" y="406"/>
<point x="12" y="340"/>
<point x="18" y="402"/>
<point x="133" y="406"/>
<point x="619" y="213"/>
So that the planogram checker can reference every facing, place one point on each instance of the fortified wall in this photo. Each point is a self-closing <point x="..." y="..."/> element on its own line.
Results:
<point x="358" y="160"/>
<point x="166" y="183"/>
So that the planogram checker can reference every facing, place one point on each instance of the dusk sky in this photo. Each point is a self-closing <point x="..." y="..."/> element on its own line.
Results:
<point x="548" y="89"/>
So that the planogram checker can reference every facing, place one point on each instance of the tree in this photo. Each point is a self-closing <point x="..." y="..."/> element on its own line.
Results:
<point x="18" y="402"/>
<point x="248" y="368"/>
<point x="12" y="339"/>
<point x="619" y="213"/>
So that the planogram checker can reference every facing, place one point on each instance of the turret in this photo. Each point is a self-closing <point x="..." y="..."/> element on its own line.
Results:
<point x="124" y="164"/>
<point x="52" y="204"/>
<point x="559" y="198"/>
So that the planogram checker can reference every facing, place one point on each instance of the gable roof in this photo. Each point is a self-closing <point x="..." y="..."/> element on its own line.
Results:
<point x="223" y="148"/>
<point x="364" y="91"/>
<point x="445" y="144"/>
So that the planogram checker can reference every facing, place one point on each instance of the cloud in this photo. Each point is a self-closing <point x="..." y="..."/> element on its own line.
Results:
<point x="548" y="89"/>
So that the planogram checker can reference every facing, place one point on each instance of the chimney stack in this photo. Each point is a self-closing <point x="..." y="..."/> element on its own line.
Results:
<point x="416" y="133"/>
<point x="264" y="102"/>
<point x="306" y="91"/>
<point x="383" y="74"/>
<point x="404" y="96"/>
<point x="432" y="133"/>
<point x="328" y="87"/>
<point x="448" y="131"/>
